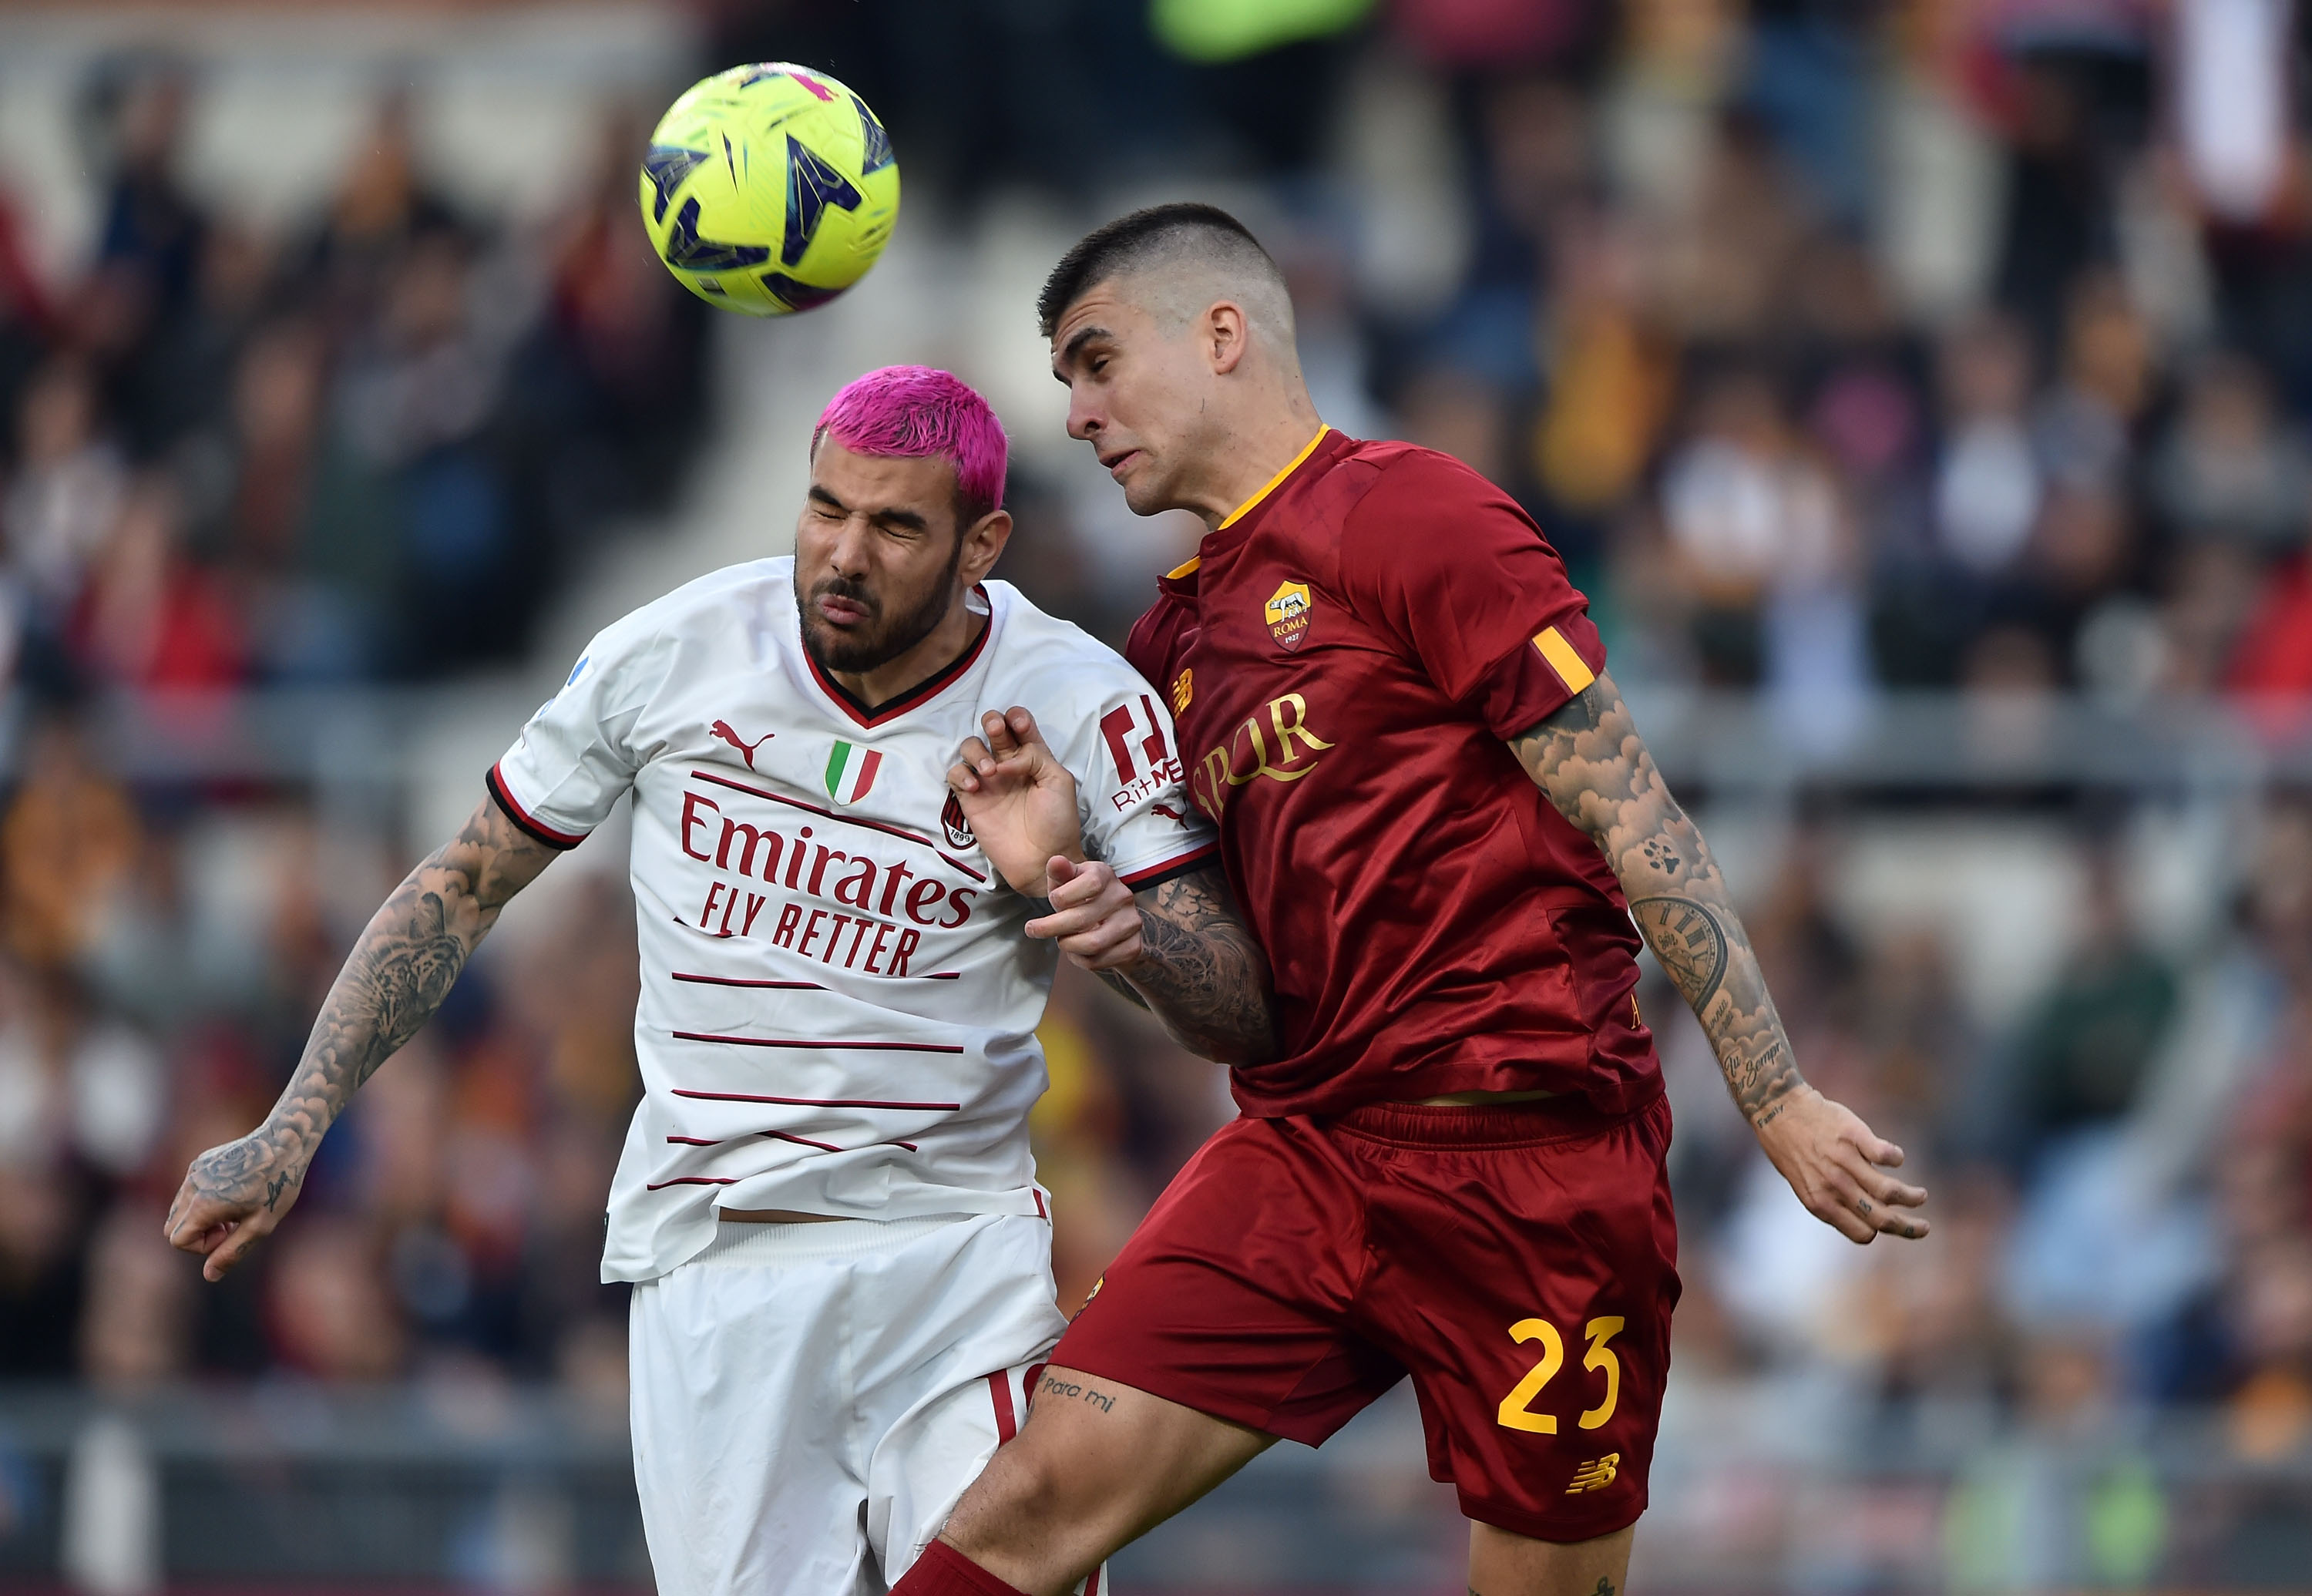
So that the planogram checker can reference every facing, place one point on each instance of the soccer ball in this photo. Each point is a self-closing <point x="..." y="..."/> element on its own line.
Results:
<point x="788" y="234"/>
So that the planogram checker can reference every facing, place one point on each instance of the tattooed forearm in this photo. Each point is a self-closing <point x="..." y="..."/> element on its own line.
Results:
<point x="1201" y="973"/>
<point x="403" y="966"/>
<point x="1116" y="983"/>
<point x="1589" y="760"/>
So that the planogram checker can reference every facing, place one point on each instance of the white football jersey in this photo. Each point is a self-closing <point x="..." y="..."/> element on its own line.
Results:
<point x="838" y="1000"/>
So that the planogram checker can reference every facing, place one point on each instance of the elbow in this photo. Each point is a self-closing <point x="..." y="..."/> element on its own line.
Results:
<point x="1259" y="1045"/>
<point x="1250" y="1036"/>
<point x="1241" y="1049"/>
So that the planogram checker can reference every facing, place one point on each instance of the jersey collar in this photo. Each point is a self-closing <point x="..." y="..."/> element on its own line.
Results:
<point x="1274" y="483"/>
<point x="1181" y="581"/>
<point x="871" y="715"/>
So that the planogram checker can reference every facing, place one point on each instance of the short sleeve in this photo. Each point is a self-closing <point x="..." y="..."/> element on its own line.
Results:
<point x="1462" y="578"/>
<point x="574" y="759"/>
<point x="1137" y="816"/>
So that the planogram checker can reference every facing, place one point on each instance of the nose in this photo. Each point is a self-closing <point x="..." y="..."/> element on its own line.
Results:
<point x="1084" y="417"/>
<point x="848" y="553"/>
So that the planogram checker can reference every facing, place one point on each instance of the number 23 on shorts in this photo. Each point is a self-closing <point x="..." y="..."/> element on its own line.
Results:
<point x="1516" y="1411"/>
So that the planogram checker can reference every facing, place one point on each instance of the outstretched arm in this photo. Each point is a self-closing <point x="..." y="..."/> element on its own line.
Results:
<point x="404" y="965"/>
<point x="1589" y="760"/>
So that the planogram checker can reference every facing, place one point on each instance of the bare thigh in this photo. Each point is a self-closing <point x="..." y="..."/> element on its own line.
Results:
<point x="1096" y="1466"/>
<point x="1504" y="1564"/>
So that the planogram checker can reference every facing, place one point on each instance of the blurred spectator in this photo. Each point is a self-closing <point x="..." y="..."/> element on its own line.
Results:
<point x="2084" y="1053"/>
<point x="136" y="1323"/>
<point x="1611" y="379"/>
<point x="2087" y="425"/>
<point x="43" y="1266"/>
<point x="151" y="232"/>
<point x="2229" y="469"/>
<point x="26" y="316"/>
<point x="328" y="1312"/>
<point x="68" y="487"/>
<point x="382" y="206"/>
<point x="75" y="1086"/>
<point x="69" y="834"/>
<point x="1988" y="484"/>
<point x="1752" y="514"/>
<point x="152" y="616"/>
<point x="607" y="394"/>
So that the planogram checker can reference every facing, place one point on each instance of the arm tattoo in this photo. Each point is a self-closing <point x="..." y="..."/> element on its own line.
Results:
<point x="400" y="969"/>
<point x="1040" y="907"/>
<point x="1200" y="972"/>
<point x="1122" y="988"/>
<point x="1589" y="760"/>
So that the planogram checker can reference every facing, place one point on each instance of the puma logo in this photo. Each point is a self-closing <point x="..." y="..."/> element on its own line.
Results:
<point x="746" y="749"/>
<point x="1168" y="813"/>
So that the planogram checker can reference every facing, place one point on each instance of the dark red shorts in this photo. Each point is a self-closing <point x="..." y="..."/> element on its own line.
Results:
<point x="1519" y="1262"/>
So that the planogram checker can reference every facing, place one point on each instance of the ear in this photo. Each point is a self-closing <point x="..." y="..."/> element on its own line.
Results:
<point x="1225" y="336"/>
<point x="983" y="545"/>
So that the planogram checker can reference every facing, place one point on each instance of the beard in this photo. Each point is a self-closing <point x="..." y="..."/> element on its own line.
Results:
<point x="886" y="634"/>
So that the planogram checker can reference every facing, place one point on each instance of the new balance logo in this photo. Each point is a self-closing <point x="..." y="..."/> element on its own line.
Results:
<point x="1595" y="1475"/>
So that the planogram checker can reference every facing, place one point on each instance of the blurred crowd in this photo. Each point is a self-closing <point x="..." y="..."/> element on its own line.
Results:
<point x="1841" y="346"/>
<point x="360" y="449"/>
<point x="161" y="956"/>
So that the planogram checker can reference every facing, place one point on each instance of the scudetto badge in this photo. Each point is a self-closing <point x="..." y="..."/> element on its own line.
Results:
<point x="1288" y="614"/>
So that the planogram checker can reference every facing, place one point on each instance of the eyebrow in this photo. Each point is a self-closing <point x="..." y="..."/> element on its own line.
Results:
<point x="894" y="516"/>
<point x="1084" y="334"/>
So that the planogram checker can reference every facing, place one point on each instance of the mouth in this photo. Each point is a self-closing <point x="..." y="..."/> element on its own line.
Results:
<point x="1114" y="464"/>
<point x="840" y="612"/>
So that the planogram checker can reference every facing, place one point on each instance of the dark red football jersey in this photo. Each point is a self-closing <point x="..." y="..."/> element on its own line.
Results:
<point x="1346" y="656"/>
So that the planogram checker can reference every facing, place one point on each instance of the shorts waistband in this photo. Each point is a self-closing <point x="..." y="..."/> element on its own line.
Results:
<point x="743" y="1242"/>
<point x="1489" y="1125"/>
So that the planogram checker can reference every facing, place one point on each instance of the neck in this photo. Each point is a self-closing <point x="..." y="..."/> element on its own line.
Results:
<point x="942" y="646"/>
<point x="1252" y="452"/>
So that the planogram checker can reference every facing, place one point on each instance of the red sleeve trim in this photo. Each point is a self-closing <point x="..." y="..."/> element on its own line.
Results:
<point x="524" y="820"/>
<point x="1156" y="875"/>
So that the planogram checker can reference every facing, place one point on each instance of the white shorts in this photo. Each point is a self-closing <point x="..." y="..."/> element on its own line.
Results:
<point x="810" y="1400"/>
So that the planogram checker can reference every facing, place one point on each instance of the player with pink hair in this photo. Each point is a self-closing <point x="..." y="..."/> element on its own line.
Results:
<point x="840" y="1257"/>
<point x="911" y="412"/>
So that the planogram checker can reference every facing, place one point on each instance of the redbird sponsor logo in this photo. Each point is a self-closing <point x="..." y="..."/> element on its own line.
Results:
<point x="1274" y="742"/>
<point x="881" y="900"/>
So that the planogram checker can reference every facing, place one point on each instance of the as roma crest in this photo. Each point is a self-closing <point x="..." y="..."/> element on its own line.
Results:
<point x="1288" y="614"/>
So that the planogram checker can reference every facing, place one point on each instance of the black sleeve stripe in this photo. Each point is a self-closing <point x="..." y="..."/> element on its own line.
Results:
<point x="1157" y="875"/>
<point x="561" y="841"/>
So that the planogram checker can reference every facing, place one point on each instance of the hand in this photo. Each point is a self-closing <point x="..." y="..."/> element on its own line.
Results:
<point x="1020" y="800"/>
<point x="1095" y="918"/>
<point x="1838" y="1167"/>
<point x="234" y="1196"/>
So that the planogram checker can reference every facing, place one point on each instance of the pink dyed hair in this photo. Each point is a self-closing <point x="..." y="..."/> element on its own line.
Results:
<point x="913" y="412"/>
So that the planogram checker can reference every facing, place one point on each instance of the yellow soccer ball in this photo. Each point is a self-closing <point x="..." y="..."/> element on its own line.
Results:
<point x="769" y="188"/>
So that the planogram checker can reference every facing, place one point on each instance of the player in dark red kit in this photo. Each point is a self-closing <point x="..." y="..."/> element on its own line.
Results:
<point x="1441" y="823"/>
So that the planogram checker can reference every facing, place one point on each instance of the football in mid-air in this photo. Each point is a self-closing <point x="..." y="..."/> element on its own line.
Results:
<point x="769" y="188"/>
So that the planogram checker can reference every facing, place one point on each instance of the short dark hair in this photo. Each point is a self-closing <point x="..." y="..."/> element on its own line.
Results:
<point x="1128" y="242"/>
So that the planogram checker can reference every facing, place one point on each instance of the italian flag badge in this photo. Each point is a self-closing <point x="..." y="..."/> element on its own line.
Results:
<point x="851" y="771"/>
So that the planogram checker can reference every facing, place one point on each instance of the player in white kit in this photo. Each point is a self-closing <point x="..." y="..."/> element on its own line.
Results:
<point x="825" y="1202"/>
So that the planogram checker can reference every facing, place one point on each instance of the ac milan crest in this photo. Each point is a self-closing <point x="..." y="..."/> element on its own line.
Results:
<point x="958" y="828"/>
